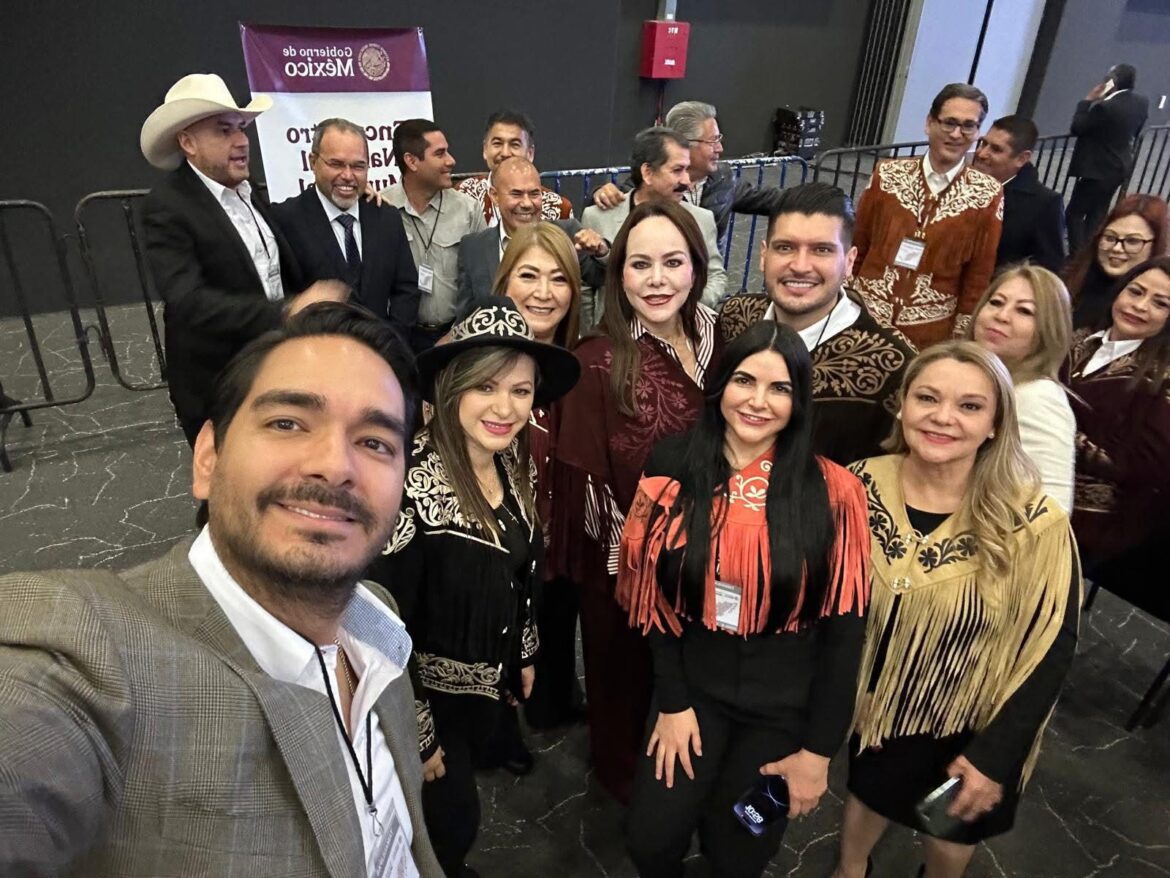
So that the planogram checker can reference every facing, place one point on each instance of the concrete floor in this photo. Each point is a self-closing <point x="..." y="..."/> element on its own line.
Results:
<point x="104" y="483"/>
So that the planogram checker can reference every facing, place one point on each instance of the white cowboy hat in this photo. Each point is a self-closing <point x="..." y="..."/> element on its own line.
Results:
<point x="192" y="98"/>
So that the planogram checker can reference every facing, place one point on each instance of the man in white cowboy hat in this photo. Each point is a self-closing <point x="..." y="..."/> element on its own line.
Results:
<point x="219" y="261"/>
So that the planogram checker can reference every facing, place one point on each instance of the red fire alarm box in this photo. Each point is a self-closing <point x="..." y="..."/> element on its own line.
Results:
<point x="664" y="49"/>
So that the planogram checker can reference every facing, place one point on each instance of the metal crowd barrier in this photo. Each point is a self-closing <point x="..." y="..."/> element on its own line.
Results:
<point x="126" y="200"/>
<point x="10" y="407"/>
<point x="851" y="167"/>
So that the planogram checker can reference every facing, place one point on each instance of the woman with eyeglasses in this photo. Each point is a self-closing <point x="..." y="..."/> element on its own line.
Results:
<point x="1120" y="383"/>
<point x="1134" y="231"/>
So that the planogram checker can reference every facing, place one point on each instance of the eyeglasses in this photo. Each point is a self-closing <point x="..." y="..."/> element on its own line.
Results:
<point x="965" y="125"/>
<point x="718" y="138"/>
<point x="339" y="165"/>
<point x="1131" y="244"/>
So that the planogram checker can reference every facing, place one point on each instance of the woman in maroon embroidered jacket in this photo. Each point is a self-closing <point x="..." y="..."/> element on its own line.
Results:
<point x="643" y="374"/>
<point x="1120" y="383"/>
<point x="745" y="561"/>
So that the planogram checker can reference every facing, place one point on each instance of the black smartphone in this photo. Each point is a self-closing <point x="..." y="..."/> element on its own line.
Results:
<point x="932" y="811"/>
<point x="764" y="805"/>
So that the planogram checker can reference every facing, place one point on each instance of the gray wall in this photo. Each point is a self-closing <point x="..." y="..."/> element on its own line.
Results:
<point x="1092" y="36"/>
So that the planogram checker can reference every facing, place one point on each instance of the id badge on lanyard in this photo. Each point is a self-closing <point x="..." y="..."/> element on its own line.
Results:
<point x="391" y="856"/>
<point x="728" y="599"/>
<point x="426" y="278"/>
<point x="910" y="253"/>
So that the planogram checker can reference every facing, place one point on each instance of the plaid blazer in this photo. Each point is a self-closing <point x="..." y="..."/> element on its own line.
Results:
<point x="138" y="737"/>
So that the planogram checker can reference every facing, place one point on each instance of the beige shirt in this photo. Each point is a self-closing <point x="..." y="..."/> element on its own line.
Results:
<point x="434" y="237"/>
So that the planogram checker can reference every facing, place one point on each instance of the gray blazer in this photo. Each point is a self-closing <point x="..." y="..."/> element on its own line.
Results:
<point x="608" y="222"/>
<point x="479" y="259"/>
<point x="140" y="737"/>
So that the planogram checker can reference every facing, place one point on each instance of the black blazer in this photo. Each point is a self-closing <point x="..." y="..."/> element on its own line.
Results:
<point x="1106" y="132"/>
<point x="1033" y="222"/>
<point x="479" y="258"/>
<point x="389" y="281"/>
<point x="214" y="299"/>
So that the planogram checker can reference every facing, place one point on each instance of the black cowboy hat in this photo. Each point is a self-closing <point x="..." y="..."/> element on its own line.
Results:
<point x="497" y="323"/>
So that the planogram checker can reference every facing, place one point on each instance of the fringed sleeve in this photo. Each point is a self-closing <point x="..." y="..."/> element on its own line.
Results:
<point x="645" y="535"/>
<point x="850" y="576"/>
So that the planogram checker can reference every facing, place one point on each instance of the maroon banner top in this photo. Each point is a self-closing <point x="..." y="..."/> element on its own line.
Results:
<point x="323" y="59"/>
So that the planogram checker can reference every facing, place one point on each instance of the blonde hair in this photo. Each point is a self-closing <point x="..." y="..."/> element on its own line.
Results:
<point x="465" y="372"/>
<point x="553" y="240"/>
<point x="1053" y="334"/>
<point x="1003" y="479"/>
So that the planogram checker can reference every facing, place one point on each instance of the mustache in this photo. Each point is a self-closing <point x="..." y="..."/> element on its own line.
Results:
<point x="681" y="188"/>
<point x="311" y="492"/>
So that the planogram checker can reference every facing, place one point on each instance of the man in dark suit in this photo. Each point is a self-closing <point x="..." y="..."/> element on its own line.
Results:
<point x="240" y="706"/>
<point x="1033" y="214"/>
<point x="713" y="186"/>
<point x="219" y="262"/>
<point x="336" y="233"/>
<point x="516" y="192"/>
<point x="1107" y="124"/>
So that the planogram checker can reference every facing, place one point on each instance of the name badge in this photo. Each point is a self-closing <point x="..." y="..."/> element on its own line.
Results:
<point x="910" y="253"/>
<point x="728" y="598"/>
<point x="391" y="857"/>
<point x="273" y="289"/>
<point x="426" y="278"/>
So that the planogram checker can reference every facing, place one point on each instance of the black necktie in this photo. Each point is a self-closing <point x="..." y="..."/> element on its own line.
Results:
<point x="353" y="259"/>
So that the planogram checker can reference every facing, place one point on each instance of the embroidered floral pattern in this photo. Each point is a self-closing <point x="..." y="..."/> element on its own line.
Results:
<point x="854" y="364"/>
<point x="404" y="531"/>
<point x="881" y="523"/>
<point x="752" y="492"/>
<point x="663" y="406"/>
<point x="458" y="678"/>
<point x="426" y="725"/>
<point x="948" y="550"/>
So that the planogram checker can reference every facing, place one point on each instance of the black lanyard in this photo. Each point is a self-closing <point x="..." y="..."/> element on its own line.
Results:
<point x="367" y="785"/>
<point x="434" y="228"/>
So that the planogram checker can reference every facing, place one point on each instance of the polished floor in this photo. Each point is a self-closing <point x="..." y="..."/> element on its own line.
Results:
<point x="104" y="483"/>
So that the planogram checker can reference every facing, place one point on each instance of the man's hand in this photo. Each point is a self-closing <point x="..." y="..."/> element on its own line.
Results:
<point x="674" y="735"/>
<point x="608" y="197"/>
<point x="1096" y="92"/>
<point x="807" y="776"/>
<point x="433" y="768"/>
<point x="527" y="678"/>
<point x="372" y="194"/>
<point x="590" y="242"/>
<point x="978" y="794"/>
<point x="321" y="291"/>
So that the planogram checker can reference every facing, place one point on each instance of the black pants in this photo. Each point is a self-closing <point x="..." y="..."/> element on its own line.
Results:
<point x="556" y="691"/>
<point x="464" y="724"/>
<point x="661" y="822"/>
<point x="1087" y="208"/>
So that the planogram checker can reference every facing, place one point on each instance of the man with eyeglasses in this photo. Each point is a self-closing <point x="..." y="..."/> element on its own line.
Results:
<point x="928" y="228"/>
<point x="1033" y="214"/>
<point x="1107" y="124"/>
<point x="713" y="186"/>
<point x="336" y="233"/>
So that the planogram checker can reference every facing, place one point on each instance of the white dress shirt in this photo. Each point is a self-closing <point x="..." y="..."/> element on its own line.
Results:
<point x="1047" y="432"/>
<point x="1109" y="351"/>
<point x="843" y="315"/>
<point x="252" y="229"/>
<point x="377" y="646"/>
<point x="333" y="212"/>
<point x="936" y="180"/>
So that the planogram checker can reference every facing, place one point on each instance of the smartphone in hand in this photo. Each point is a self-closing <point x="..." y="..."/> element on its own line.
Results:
<point x="764" y="805"/>
<point x="932" y="811"/>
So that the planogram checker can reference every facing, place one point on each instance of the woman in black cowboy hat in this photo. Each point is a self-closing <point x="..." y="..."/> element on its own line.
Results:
<point x="465" y="558"/>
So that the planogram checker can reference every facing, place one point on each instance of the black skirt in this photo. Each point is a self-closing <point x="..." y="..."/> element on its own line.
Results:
<point x="894" y="778"/>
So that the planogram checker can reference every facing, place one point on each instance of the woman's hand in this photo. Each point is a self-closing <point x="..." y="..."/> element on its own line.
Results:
<point x="433" y="768"/>
<point x="978" y="794"/>
<point x="527" y="678"/>
<point x="807" y="776"/>
<point x="674" y="735"/>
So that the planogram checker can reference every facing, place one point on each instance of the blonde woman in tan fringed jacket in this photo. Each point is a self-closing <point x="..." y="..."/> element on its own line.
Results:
<point x="973" y="618"/>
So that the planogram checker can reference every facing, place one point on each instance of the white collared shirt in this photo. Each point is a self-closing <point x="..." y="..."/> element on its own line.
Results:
<point x="843" y="315"/>
<point x="377" y="646"/>
<point x="695" y="193"/>
<point x="252" y="229"/>
<point x="937" y="181"/>
<point x="332" y="211"/>
<point x="1109" y="351"/>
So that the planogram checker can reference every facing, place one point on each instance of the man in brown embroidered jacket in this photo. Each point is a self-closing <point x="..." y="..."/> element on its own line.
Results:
<point x="806" y="257"/>
<point x="928" y="228"/>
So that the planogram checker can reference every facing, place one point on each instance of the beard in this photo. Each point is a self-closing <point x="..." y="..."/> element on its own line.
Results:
<point x="303" y="572"/>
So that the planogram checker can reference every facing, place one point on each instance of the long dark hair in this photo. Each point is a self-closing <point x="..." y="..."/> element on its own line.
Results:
<point x="1153" y="356"/>
<point x="800" y="524"/>
<point x="615" y="319"/>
